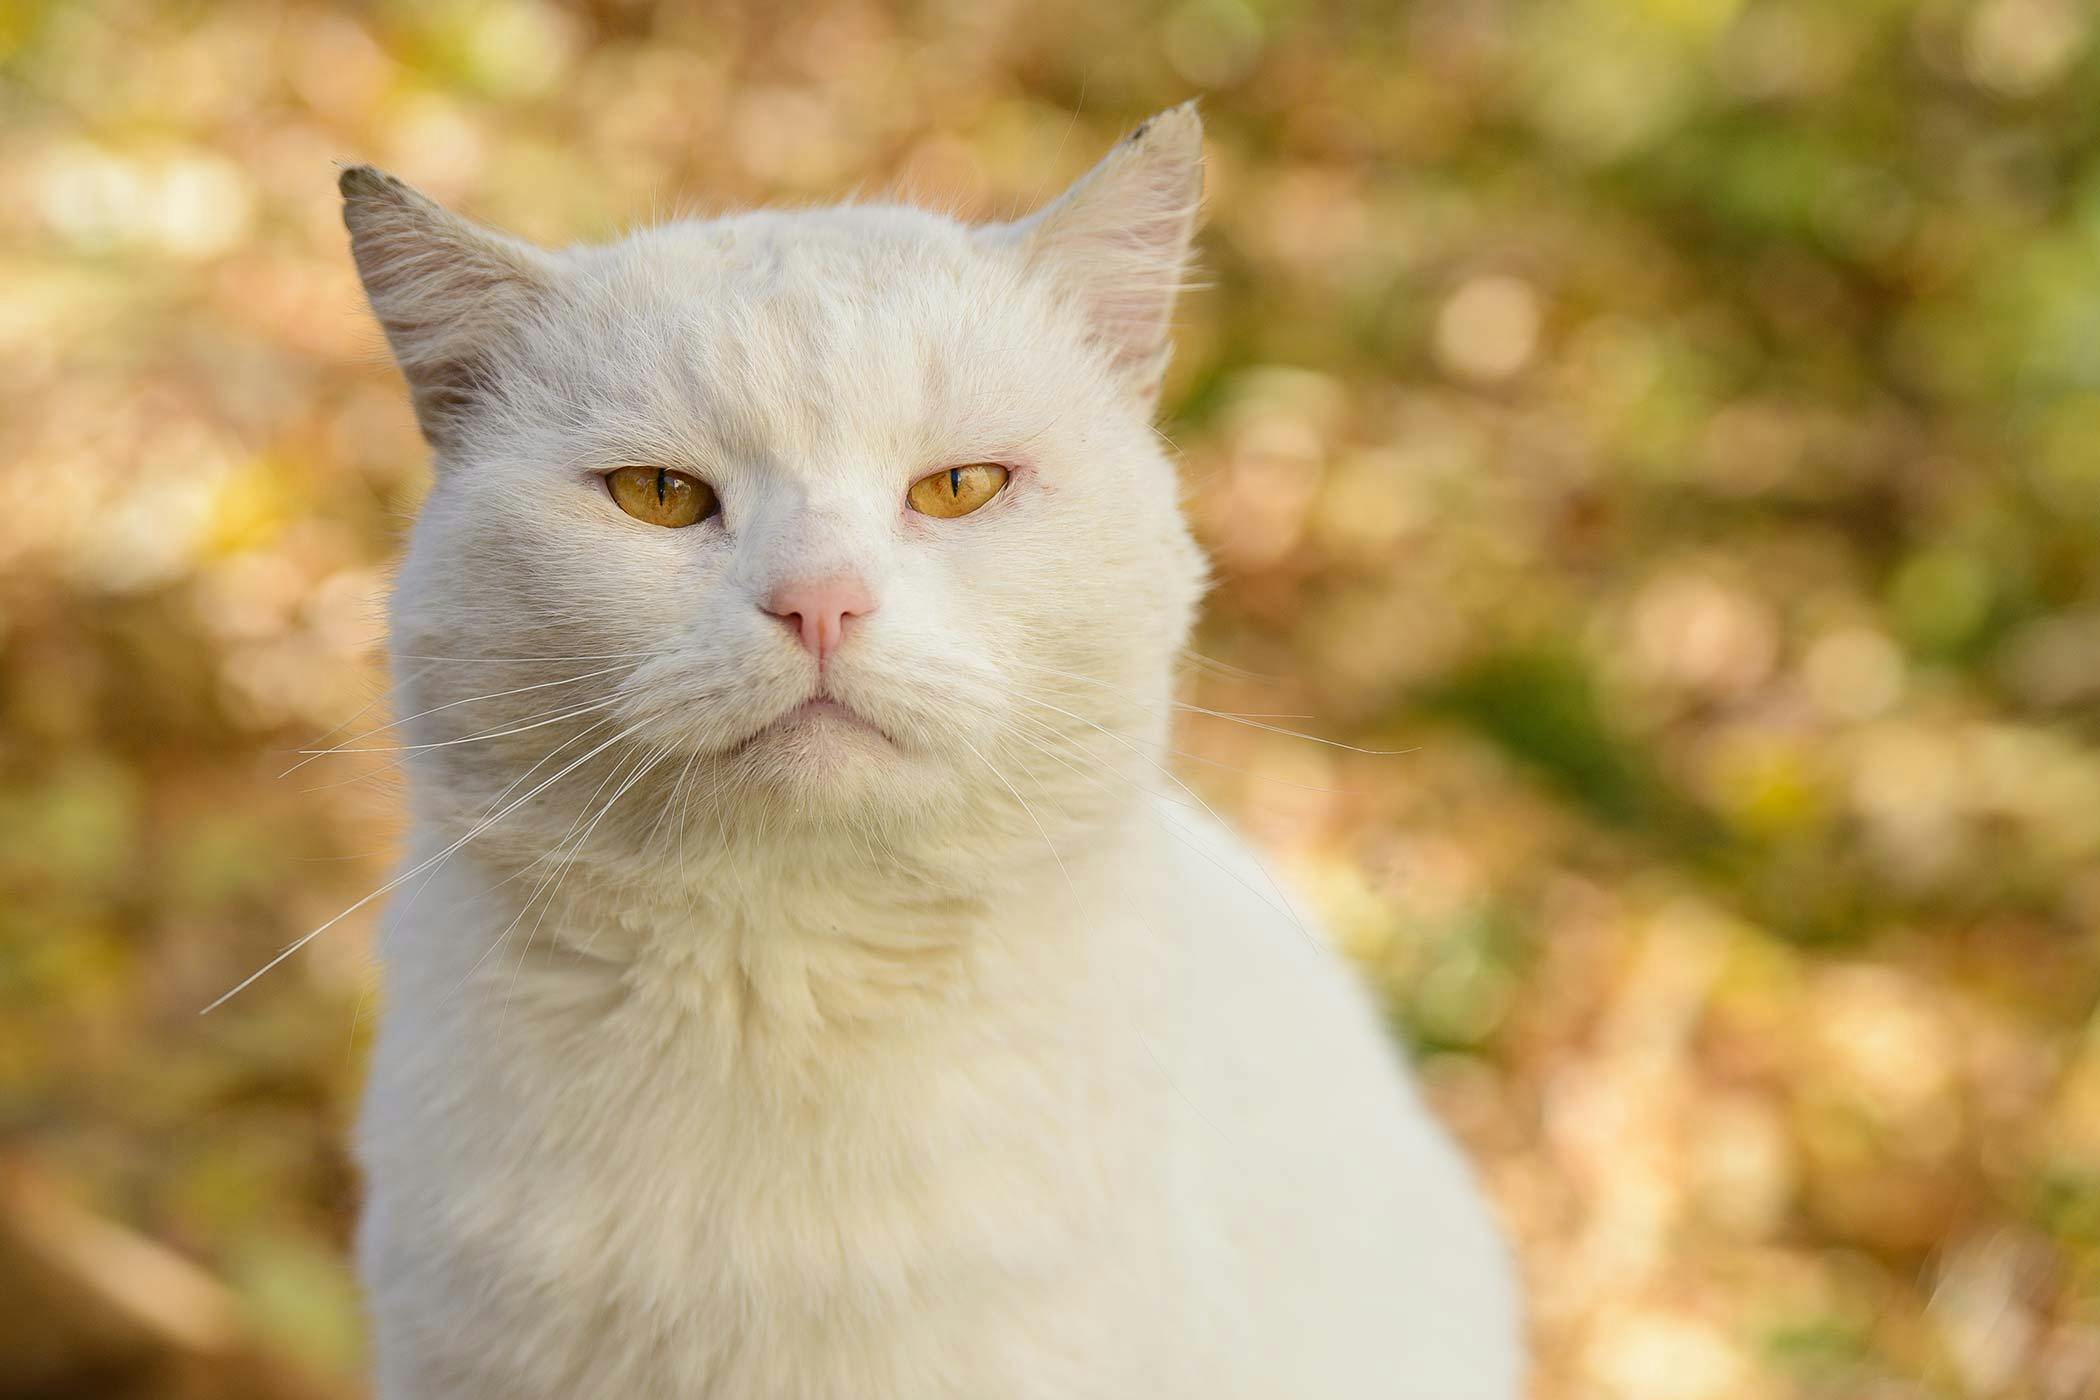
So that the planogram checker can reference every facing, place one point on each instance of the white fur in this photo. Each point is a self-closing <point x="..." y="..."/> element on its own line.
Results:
<point x="812" y="1064"/>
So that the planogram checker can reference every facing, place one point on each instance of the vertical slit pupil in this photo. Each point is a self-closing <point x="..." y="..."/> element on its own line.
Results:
<point x="662" y="480"/>
<point x="955" y="481"/>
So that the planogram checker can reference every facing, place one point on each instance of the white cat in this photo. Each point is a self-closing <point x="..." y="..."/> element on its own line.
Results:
<point x="802" y="982"/>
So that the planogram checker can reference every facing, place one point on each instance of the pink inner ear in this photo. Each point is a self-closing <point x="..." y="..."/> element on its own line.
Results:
<point x="1119" y="239"/>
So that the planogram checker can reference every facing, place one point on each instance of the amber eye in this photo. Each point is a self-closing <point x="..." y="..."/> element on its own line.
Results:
<point x="660" y="497"/>
<point x="958" y="490"/>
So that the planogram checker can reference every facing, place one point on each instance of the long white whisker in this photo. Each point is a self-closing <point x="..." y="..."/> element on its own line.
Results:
<point x="313" y="753"/>
<point x="558" y="858"/>
<point x="1042" y="732"/>
<point x="555" y="718"/>
<point x="369" y="705"/>
<point x="1251" y="721"/>
<point x="1225" y="668"/>
<point x="568" y="862"/>
<point x="507" y="660"/>
<point x="1207" y="761"/>
<point x="670" y="801"/>
<point x="550" y="854"/>
<point x="391" y="885"/>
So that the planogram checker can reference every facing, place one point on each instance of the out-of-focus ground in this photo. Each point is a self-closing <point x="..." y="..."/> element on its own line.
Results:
<point x="1675" y="424"/>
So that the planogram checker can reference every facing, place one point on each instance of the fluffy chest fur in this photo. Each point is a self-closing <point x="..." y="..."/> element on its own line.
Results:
<point x="732" y="1194"/>
<point x="1144" y="1142"/>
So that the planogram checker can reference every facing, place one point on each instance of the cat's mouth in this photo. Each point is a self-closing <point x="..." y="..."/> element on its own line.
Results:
<point x="823" y="709"/>
<point x="818" y="715"/>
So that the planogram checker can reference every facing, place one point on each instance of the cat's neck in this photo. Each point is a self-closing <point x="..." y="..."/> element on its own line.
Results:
<point x="781" y="962"/>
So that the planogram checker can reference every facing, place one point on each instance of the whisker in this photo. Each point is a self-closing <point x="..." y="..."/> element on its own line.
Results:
<point x="1045" y="731"/>
<point x="391" y="885"/>
<point x="569" y="864"/>
<point x="555" y="856"/>
<point x="376" y="700"/>
<point x="664" y="813"/>
<point x="517" y="874"/>
<point x="374" y="776"/>
<point x="343" y="747"/>
<point x="1252" y="722"/>
<point x="555" y="718"/>
<point x="1226" y="669"/>
<point x="507" y="660"/>
<point x="1207" y="761"/>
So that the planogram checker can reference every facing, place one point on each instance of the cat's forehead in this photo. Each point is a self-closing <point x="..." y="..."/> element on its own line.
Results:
<point x="812" y="261"/>
<point x="798" y="331"/>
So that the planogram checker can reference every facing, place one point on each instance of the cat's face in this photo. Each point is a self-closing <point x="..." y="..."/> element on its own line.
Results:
<point x="846" y="522"/>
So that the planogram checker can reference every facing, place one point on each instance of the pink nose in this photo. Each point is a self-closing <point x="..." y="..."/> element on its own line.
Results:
<point x="816" y="610"/>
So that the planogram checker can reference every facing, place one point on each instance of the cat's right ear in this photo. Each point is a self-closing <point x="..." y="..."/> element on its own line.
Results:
<point x="449" y="294"/>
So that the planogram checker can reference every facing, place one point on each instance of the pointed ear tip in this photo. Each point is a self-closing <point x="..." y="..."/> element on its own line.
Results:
<point x="361" y="184"/>
<point x="1177" y="126"/>
<point x="362" y="181"/>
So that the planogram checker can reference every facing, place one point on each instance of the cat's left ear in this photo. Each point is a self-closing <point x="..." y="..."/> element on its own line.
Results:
<point x="1118" y="241"/>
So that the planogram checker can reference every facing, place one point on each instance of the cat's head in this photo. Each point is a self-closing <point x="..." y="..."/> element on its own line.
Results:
<point x="845" y="521"/>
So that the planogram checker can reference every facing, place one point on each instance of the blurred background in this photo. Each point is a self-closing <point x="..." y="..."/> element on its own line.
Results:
<point x="1674" y="423"/>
